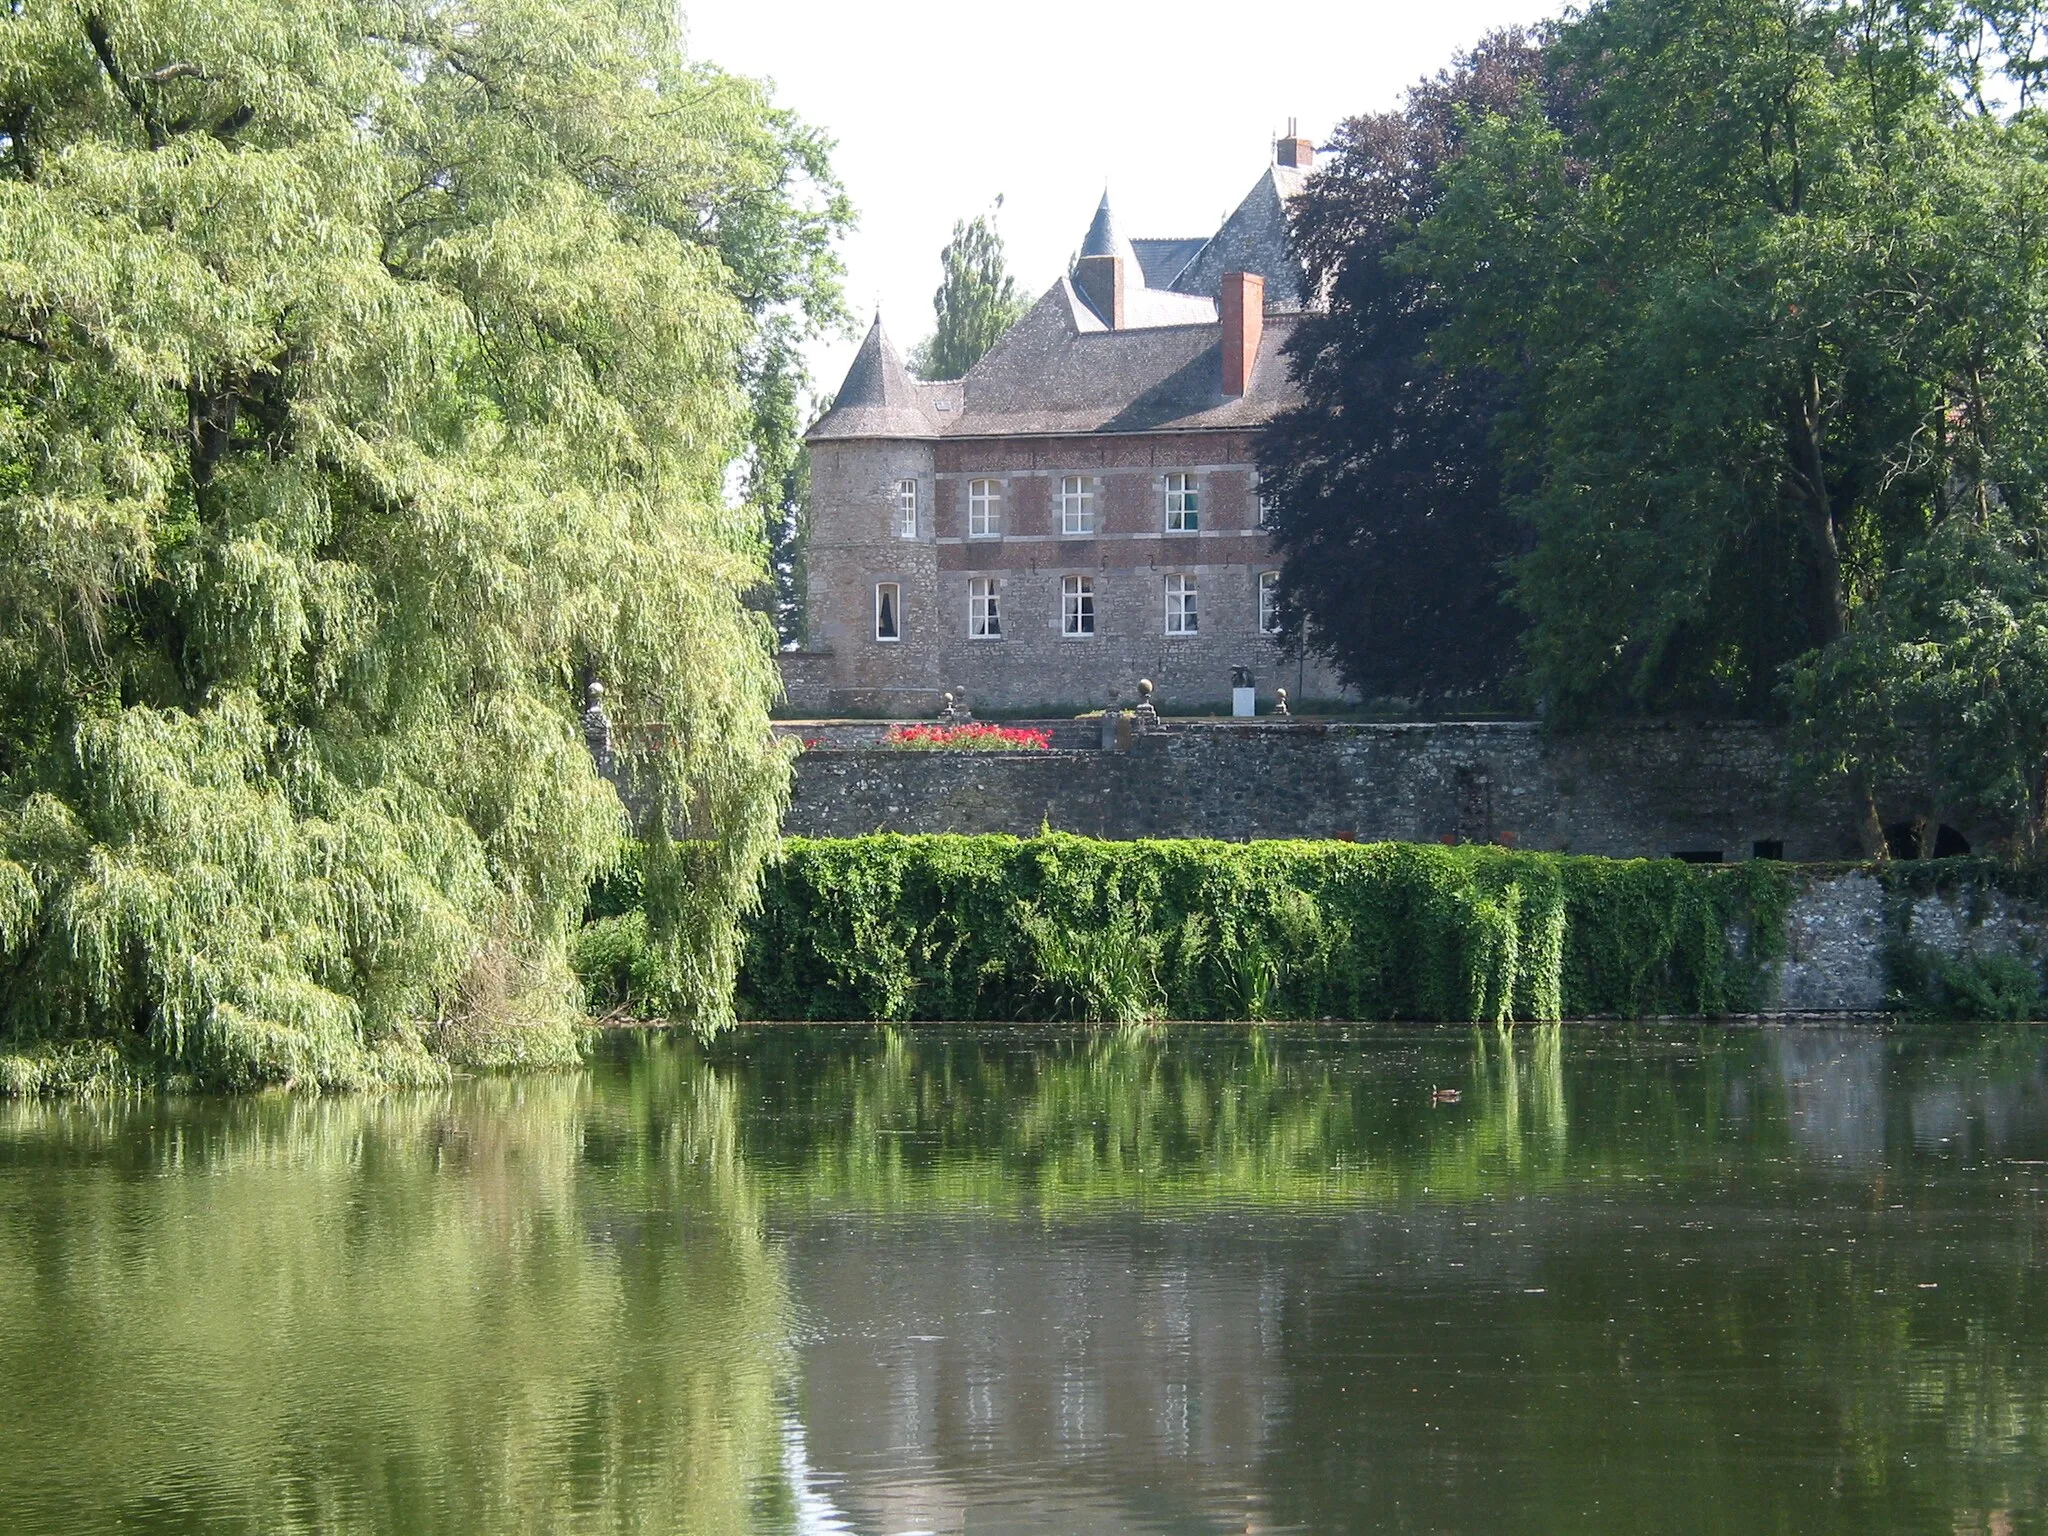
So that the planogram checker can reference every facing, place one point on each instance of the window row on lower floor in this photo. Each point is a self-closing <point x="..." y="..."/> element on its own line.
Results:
<point x="988" y="599"/>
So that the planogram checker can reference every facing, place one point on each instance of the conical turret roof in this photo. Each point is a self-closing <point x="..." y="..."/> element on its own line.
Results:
<point x="878" y="398"/>
<point x="1104" y="239"/>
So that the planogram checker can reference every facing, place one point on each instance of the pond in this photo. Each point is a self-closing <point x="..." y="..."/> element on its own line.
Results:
<point x="1188" y="1279"/>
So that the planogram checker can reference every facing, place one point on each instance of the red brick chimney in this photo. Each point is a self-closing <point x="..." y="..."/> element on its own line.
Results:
<point x="1294" y="150"/>
<point x="1243" y="305"/>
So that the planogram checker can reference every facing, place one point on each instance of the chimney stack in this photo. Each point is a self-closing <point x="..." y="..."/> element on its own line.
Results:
<point x="1243" y="305"/>
<point x="1294" y="150"/>
<point x="1101" y="281"/>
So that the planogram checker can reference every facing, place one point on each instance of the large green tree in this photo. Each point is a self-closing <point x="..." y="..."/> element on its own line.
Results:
<point x="1754" y="293"/>
<point x="370" y="376"/>
<point x="975" y="302"/>
<point x="1384" y="483"/>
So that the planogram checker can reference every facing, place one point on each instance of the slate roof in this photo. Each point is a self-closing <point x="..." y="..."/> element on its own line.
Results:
<point x="1060" y="369"/>
<point x="1049" y="375"/>
<point x="879" y="397"/>
<point x="1103" y="238"/>
<point x="1253" y="239"/>
<point x="1165" y="260"/>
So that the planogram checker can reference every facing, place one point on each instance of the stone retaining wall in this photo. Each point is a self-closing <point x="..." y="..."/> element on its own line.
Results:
<point x="1639" y="790"/>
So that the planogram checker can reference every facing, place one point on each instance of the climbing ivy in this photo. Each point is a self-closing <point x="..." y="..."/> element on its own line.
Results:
<point x="1061" y="927"/>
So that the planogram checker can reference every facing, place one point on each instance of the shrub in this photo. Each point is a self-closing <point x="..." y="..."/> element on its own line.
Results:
<point x="2002" y="988"/>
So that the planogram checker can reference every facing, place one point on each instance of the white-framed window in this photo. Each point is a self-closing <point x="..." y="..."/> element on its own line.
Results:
<point x="984" y="612"/>
<point x="1077" y="505"/>
<point x="1077" y="606"/>
<point x="888" y="610"/>
<point x="1269" y="602"/>
<point x="1183" y="503"/>
<point x="906" y="509"/>
<point x="1266" y="503"/>
<point x="984" y="509"/>
<point x="1180" y="605"/>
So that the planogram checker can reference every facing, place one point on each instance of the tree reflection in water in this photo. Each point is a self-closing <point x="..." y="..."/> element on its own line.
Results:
<point x="1141" y="1279"/>
<point x="542" y="1304"/>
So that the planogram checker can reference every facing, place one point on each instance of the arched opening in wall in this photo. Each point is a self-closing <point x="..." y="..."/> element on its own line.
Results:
<point x="1698" y="856"/>
<point x="1902" y="839"/>
<point x="1949" y="843"/>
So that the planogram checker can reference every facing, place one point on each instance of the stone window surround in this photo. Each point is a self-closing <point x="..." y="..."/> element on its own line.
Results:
<point x="893" y="612"/>
<point x="984" y="608"/>
<point x="1077" y="607"/>
<point x="1076" y="502"/>
<point x="1182" y="489"/>
<point x="1104" y="477"/>
<point x="985" y="503"/>
<point x="1192" y="577"/>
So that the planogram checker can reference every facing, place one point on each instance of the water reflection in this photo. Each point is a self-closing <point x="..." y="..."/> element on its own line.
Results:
<point x="1170" y="1280"/>
<point x="514" y="1306"/>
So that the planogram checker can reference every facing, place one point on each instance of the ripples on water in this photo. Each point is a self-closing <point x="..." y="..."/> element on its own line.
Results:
<point x="1198" y="1280"/>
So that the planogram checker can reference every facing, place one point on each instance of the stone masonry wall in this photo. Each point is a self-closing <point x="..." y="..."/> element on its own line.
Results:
<point x="1644" y="790"/>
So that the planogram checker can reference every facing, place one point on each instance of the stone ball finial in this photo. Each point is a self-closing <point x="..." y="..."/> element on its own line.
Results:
<point x="1280" y="696"/>
<point x="595" y="692"/>
<point x="1145" y="688"/>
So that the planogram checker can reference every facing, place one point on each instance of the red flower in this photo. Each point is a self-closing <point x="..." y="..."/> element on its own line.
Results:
<point x="967" y="738"/>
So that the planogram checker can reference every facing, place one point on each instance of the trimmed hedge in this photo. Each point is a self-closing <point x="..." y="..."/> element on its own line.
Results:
<point x="1059" y="927"/>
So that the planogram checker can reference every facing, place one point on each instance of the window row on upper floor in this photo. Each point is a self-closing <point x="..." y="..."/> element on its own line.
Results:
<point x="988" y="601"/>
<point x="1075" y="501"/>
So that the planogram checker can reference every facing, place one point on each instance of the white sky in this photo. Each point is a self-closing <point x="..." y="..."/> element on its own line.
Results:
<point x="939" y="107"/>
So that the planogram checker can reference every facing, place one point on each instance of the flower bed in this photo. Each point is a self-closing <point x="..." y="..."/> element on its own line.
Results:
<point x="966" y="738"/>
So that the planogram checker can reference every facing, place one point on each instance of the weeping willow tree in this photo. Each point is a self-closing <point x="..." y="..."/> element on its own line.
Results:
<point x="370" y="375"/>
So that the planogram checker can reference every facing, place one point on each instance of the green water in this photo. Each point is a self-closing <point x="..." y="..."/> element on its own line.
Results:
<point x="950" y="1281"/>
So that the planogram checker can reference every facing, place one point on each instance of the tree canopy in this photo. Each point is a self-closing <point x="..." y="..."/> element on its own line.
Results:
<point x="370" y="376"/>
<point x="976" y="301"/>
<point x="1737" y="307"/>
<point x="1384" y="485"/>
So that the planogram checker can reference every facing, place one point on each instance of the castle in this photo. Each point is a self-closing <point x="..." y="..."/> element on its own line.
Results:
<point x="1082" y="509"/>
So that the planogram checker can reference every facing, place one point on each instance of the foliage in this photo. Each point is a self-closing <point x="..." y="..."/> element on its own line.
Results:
<point x="369" y="376"/>
<point x="1765" y="279"/>
<point x="976" y="301"/>
<point x="1946" y="674"/>
<point x="972" y="737"/>
<point x="1060" y="927"/>
<point x="1384" y="483"/>
<point x="1995" y="986"/>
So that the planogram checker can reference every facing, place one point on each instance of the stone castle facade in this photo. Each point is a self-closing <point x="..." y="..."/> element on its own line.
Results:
<point x="1081" y="510"/>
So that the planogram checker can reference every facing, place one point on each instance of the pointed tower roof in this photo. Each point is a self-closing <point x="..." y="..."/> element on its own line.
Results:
<point x="878" y="398"/>
<point x="1103" y="239"/>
